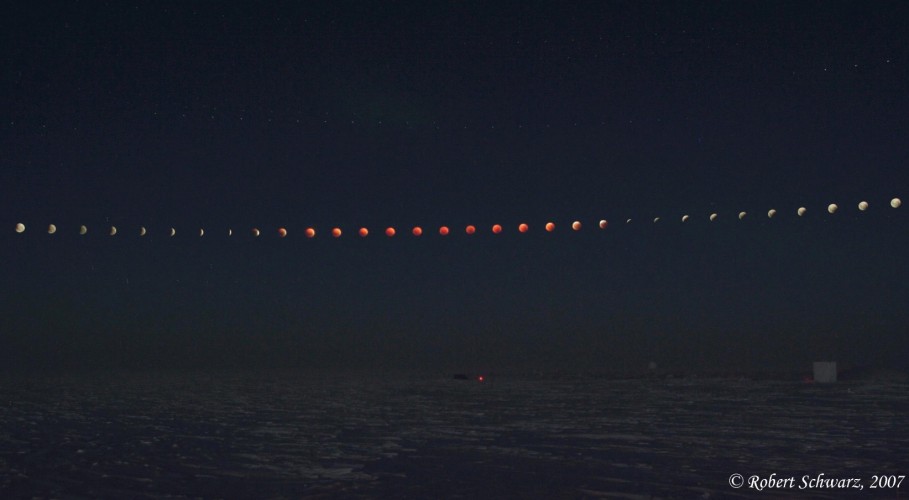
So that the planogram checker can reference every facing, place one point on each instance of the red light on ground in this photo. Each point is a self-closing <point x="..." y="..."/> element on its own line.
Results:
<point x="550" y="227"/>
<point x="523" y="228"/>
<point x="310" y="232"/>
<point x="336" y="232"/>
<point x="390" y="232"/>
<point x="364" y="232"/>
<point x="481" y="378"/>
<point x="576" y="225"/>
<point x="443" y="230"/>
<point x="417" y="231"/>
<point x="603" y="224"/>
<point x="470" y="229"/>
<point x="282" y="232"/>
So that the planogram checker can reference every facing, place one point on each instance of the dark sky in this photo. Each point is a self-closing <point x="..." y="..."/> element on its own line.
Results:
<point x="238" y="115"/>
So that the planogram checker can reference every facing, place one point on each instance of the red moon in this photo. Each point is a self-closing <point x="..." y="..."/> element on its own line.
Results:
<point x="496" y="229"/>
<point x="390" y="232"/>
<point x="470" y="229"/>
<point x="336" y="232"/>
<point x="550" y="227"/>
<point x="364" y="232"/>
<point x="576" y="226"/>
<point x="603" y="224"/>
<point x="417" y="231"/>
<point x="310" y="232"/>
<point x="282" y="232"/>
<point x="523" y="228"/>
<point x="443" y="230"/>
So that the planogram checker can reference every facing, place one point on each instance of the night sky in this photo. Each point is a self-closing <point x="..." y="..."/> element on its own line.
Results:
<point x="303" y="114"/>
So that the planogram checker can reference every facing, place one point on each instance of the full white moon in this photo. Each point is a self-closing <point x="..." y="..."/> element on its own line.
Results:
<point x="771" y="213"/>
<point x="863" y="205"/>
<point x="51" y="229"/>
<point x="83" y="229"/>
<point x="802" y="211"/>
<point x="712" y="217"/>
<point x="832" y="208"/>
<point x="741" y="215"/>
<point x="173" y="231"/>
<point x="113" y="230"/>
<point x="684" y="218"/>
<point x="895" y="203"/>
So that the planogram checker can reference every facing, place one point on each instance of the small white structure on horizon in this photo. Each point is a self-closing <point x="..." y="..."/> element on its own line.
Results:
<point x="825" y="372"/>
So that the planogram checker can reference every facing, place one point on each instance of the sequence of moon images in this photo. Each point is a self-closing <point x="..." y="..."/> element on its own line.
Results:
<point x="363" y="232"/>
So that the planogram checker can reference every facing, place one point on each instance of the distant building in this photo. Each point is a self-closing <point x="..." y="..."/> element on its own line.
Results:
<point x="825" y="372"/>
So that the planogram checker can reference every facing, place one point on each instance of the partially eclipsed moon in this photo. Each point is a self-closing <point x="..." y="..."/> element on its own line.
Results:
<point x="201" y="232"/>
<point x="20" y="227"/>
<point x="256" y="232"/>
<point x="173" y="232"/>
<point x="684" y="218"/>
<point x="83" y="229"/>
<point x="417" y="231"/>
<point x="603" y="224"/>
<point x="656" y="219"/>
<point x="310" y="232"/>
<point x="230" y="232"/>
<point x="51" y="229"/>
<point x="390" y="232"/>
<point x="113" y="230"/>
<point x="742" y="215"/>
<point x="550" y="227"/>
<point x="628" y="221"/>
<point x="282" y="232"/>
<point x="712" y="217"/>
<point x="336" y="232"/>
<point x="802" y="211"/>
<point x="443" y="230"/>
<point x="470" y="229"/>
<point x="832" y="208"/>
<point x="771" y="213"/>
<point x="523" y="227"/>
<point x="576" y="225"/>
<point x="863" y="206"/>
<point x="895" y="203"/>
<point x="364" y="232"/>
<point x="141" y="231"/>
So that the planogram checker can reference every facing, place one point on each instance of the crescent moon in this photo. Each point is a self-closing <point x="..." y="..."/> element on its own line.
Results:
<point x="656" y="219"/>
<point x="20" y="227"/>
<point x="142" y="231"/>
<point x="113" y="230"/>
<point x="742" y="215"/>
<point x="684" y="218"/>
<point x="712" y="217"/>
<point x="173" y="232"/>
<point x="256" y="231"/>
<point x="201" y="232"/>
<point x="603" y="224"/>
<point x="771" y="213"/>
<point x="51" y="229"/>
<point x="230" y="232"/>
<point x="83" y="229"/>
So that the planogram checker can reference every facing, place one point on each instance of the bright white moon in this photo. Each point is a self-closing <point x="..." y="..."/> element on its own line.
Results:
<point x="173" y="231"/>
<point x="895" y="203"/>
<point x="832" y="208"/>
<point x="863" y="206"/>
<point x="20" y="228"/>
<point x="51" y="229"/>
<point x="684" y="218"/>
<point x="201" y="232"/>
<point x="741" y="215"/>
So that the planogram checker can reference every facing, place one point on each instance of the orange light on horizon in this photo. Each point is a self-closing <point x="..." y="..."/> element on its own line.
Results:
<point x="470" y="229"/>
<point x="364" y="232"/>
<point x="390" y="232"/>
<point x="336" y="232"/>
<point x="310" y="232"/>
<point x="523" y="228"/>
<point x="576" y="225"/>
<point x="443" y="230"/>
<point x="417" y="230"/>
<point x="496" y="229"/>
<point x="550" y="227"/>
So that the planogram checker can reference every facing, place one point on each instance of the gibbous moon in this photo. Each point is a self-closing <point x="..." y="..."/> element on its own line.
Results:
<point x="51" y="229"/>
<point x="603" y="224"/>
<point x="336" y="232"/>
<point x="282" y="232"/>
<point x="895" y="203"/>
<point x="364" y="232"/>
<point x="771" y="213"/>
<point x="863" y="205"/>
<point x="310" y="232"/>
<point x="684" y="218"/>
<point x="443" y="230"/>
<point x="523" y="228"/>
<point x="550" y="227"/>
<point x="417" y="230"/>
<point x="173" y="231"/>
<point x="802" y="211"/>
<point x="742" y="215"/>
<point x="470" y="229"/>
<point x="390" y="232"/>
<point x="576" y="225"/>
<point x="496" y="229"/>
<point x="113" y="230"/>
<point x="256" y="232"/>
<point x="83" y="229"/>
<point x="20" y="227"/>
<point x="712" y="217"/>
<point x="142" y="231"/>
<point x="832" y="208"/>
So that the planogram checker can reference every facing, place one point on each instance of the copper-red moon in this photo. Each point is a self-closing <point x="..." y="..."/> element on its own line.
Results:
<point x="390" y="232"/>
<point x="523" y="228"/>
<point x="364" y="232"/>
<point x="550" y="227"/>
<point x="470" y="229"/>
<point x="310" y="232"/>
<point x="282" y="232"/>
<point x="603" y="224"/>
<point x="443" y="230"/>
<point x="496" y="228"/>
<point x="576" y="225"/>
<point x="336" y="232"/>
<point x="417" y="231"/>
